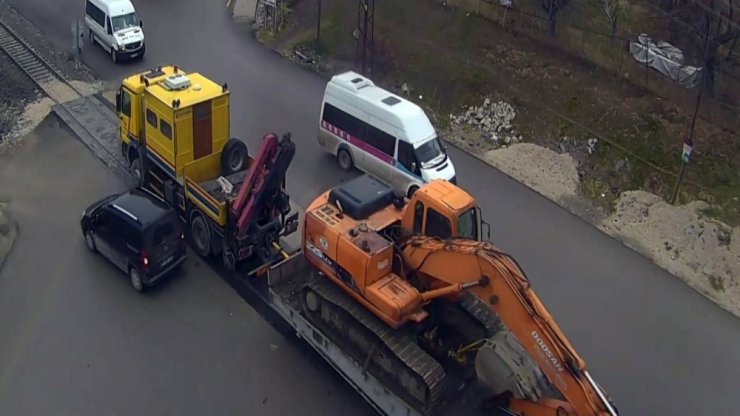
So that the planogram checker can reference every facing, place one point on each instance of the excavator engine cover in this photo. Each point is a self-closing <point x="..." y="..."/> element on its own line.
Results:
<point x="361" y="197"/>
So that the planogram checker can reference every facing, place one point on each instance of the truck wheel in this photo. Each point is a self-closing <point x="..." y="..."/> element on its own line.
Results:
<point x="201" y="235"/>
<point x="344" y="159"/>
<point x="412" y="191"/>
<point x="233" y="157"/>
<point x="137" y="172"/>
<point x="229" y="259"/>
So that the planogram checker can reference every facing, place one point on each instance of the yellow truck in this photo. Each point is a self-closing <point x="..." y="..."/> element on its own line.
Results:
<point x="175" y="135"/>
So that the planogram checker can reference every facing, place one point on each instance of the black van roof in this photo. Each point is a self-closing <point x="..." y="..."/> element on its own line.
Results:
<point x="140" y="206"/>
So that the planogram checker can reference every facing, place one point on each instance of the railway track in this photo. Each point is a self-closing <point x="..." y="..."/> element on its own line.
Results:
<point x="89" y="118"/>
<point x="41" y="72"/>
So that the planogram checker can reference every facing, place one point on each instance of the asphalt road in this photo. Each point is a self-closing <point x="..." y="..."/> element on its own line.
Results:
<point x="76" y="339"/>
<point x="658" y="347"/>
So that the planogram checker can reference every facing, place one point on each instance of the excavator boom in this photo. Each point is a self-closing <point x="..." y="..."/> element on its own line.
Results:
<point x="452" y="263"/>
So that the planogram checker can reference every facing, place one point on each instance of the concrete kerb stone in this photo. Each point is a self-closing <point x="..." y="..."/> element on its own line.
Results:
<point x="8" y="233"/>
<point x="244" y="10"/>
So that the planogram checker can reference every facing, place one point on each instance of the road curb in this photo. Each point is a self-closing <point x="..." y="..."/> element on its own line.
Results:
<point x="571" y="211"/>
<point x="7" y="239"/>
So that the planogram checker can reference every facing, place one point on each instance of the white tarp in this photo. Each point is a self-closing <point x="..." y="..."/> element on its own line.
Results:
<point x="666" y="59"/>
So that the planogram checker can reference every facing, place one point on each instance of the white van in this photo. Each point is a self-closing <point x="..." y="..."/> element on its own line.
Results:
<point x="114" y="25"/>
<point x="381" y="133"/>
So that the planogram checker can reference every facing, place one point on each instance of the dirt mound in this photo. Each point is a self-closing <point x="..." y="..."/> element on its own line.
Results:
<point x="703" y="252"/>
<point x="549" y="173"/>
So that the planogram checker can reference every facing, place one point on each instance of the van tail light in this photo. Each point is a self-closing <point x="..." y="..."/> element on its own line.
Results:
<point x="144" y="259"/>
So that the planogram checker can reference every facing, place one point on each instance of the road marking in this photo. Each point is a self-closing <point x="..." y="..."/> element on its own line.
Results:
<point x="228" y="3"/>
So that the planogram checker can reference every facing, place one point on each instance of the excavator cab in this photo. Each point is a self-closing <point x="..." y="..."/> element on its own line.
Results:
<point x="441" y="209"/>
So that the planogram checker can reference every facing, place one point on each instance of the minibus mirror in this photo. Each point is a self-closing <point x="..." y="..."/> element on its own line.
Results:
<point x="118" y="101"/>
<point x="141" y="24"/>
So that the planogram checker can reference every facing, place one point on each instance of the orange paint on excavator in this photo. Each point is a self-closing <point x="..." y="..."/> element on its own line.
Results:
<point x="416" y="263"/>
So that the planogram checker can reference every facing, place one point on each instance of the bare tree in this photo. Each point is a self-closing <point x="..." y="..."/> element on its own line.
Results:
<point x="713" y="21"/>
<point x="612" y="9"/>
<point x="721" y="25"/>
<point x="552" y="8"/>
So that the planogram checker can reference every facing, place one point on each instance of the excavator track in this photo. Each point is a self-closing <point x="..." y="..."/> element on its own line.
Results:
<point x="481" y="312"/>
<point x="400" y="360"/>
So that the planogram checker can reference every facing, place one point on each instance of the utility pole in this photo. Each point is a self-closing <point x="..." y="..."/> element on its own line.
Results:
<point x="689" y="141"/>
<point x="365" y="46"/>
<point x="318" y="30"/>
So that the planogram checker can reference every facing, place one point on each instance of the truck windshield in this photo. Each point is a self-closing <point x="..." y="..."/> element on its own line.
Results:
<point x="467" y="225"/>
<point x="124" y="21"/>
<point x="428" y="152"/>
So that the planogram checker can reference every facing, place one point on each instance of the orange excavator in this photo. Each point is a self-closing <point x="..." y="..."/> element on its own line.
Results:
<point x="412" y="290"/>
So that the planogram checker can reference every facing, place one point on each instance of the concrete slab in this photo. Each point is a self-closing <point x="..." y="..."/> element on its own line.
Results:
<point x="96" y="126"/>
<point x="245" y="9"/>
<point x="110" y="96"/>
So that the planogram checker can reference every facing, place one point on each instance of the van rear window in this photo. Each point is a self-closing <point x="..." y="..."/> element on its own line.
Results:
<point x="163" y="231"/>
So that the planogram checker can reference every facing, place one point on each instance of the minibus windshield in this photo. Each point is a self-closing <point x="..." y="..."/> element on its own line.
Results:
<point x="428" y="152"/>
<point x="124" y="21"/>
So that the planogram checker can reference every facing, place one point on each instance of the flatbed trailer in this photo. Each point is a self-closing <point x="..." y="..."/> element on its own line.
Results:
<point x="279" y="288"/>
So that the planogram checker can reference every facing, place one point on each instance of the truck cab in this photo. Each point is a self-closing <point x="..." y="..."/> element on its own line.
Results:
<point x="174" y="129"/>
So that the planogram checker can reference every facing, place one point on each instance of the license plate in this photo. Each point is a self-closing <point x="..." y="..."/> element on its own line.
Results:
<point x="134" y="55"/>
<point x="168" y="260"/>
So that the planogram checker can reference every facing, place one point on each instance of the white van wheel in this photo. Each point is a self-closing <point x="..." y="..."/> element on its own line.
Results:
<point x="90" y="36"/>
<point x="344" y="159"/>
<point x="113" y="55"/>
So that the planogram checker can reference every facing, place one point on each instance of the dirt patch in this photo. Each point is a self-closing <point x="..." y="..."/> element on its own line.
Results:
<point x="703" y="252"/>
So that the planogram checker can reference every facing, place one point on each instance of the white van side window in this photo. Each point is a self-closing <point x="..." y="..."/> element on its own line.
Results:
<point x="360" y="130"/>
<point x="95" y="13"/>
<point x="406" y="157"/>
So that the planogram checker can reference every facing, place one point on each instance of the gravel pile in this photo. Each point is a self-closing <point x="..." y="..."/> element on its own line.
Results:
<point x="17" y="92"/>
<point x="492" y="119"/>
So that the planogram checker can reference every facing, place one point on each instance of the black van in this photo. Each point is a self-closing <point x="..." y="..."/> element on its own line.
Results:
<point x="138" y="232"/>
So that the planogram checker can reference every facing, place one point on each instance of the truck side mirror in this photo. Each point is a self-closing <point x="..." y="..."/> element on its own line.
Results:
<point x="486" y="227"/>
<point x="118" y="101"/>
<point x="413" y="167"/>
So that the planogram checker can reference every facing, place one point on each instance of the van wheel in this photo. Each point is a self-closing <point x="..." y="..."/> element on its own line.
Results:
<point x="90" y="37"/>
<point x="201" y="235"/>
<point x="135" y="279"/>
<point x="233" y="157"/>
<point x="90" y="241"/>
<point x="412" y="191"/>
<point x="113" y="55"/>
<point x="344" y="159"/>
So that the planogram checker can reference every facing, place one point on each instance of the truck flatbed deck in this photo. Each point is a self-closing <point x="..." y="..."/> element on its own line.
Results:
<point x="214" y="188"/>
<point x="281" y="288"/>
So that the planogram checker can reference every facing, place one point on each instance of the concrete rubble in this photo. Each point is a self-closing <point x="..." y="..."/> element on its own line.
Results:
<point x="492" y="119"/>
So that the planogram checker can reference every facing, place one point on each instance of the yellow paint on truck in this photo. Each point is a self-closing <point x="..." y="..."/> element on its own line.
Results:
<point x="185" y="130"/>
